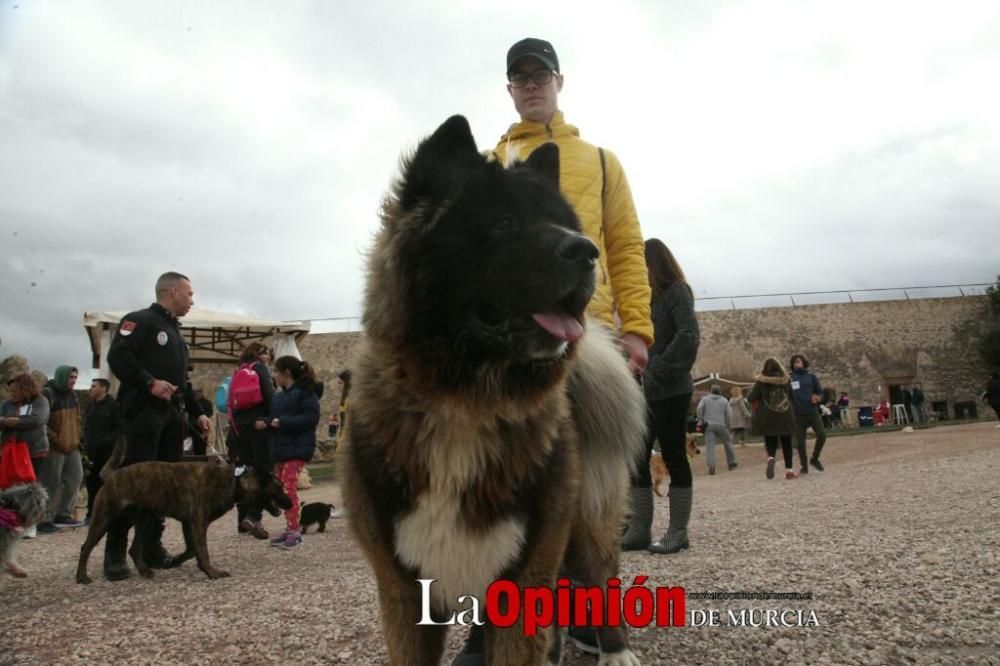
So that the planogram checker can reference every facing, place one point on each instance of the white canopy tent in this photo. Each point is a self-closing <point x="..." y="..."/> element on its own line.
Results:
<point x="212" y="337"/>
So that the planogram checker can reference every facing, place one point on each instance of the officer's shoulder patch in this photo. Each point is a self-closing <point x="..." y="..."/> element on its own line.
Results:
<point x="127" y="327"/>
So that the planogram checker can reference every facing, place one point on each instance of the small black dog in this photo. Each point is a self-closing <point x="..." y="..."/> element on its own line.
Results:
<point x="316" y="512"/>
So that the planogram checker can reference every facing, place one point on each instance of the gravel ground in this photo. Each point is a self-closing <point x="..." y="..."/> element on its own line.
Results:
<point x="897" y="542"/>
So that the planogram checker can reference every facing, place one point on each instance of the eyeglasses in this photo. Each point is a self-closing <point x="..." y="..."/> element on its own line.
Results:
<point x="539" y="76"/>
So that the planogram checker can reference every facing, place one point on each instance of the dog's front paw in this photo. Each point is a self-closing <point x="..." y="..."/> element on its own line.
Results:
<point x="218" y="573"/>
<point x="624" y="658"/>
<point x="146" y="573"/>
<point x="83" y="580"/>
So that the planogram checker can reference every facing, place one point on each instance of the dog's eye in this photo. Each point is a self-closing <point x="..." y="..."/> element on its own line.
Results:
<point x="505" y="225"/>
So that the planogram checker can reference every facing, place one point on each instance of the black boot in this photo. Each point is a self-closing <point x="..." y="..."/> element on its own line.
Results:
<point x="675" y="539"/>
<point x="154" y="553"/>
<point x="115" y="567"/>
<point x="815" y="456"/>
<point x="803" y="459"/>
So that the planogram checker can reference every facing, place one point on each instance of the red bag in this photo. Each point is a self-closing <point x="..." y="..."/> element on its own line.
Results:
<point x="244" y="390"/>
<point x="15" y="464"/>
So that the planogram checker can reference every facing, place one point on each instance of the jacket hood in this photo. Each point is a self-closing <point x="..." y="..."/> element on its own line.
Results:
<point x="777" y="380"/>
<point x="60" y="381"/>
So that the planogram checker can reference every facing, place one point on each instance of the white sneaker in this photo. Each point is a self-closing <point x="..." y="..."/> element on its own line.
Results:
<point x="996" y="427"/>
<point x="30" y="533"/>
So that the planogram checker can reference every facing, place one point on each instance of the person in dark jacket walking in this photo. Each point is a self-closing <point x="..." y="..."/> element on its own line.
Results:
<point x="668" y="388"/>
<point x="292" y="420"/>
<point x="806" y="396"/>
<point x="992" y="394"/>
<point x="907" y="398"/>
<point x="774" y="419"/>
<point x="253" y="444"/>
<point x="102" y="427"/>
<point x="918" y="404"/>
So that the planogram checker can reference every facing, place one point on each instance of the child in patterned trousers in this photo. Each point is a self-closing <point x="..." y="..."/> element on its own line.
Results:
<point x="287" y="474"/>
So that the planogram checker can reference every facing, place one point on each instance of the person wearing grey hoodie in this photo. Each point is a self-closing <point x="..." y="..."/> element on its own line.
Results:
<point x="715" y="415"/>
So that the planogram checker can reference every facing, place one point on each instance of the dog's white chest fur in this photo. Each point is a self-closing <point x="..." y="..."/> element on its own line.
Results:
<point x="434" y="540"/>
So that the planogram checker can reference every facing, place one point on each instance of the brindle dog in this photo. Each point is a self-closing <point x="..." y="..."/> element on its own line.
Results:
<point x="194" y="493"/>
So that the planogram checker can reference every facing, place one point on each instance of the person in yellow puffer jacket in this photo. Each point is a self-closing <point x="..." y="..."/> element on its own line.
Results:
<point x="594" y="183"/>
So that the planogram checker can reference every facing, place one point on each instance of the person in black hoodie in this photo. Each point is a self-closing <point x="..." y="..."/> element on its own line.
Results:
<point x="252" y="444"/>
<point x="806" y="396"/>
<point x="102" y="427"/>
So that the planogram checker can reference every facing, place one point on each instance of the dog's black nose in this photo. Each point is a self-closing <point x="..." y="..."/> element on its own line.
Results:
<point x="578" y="250"/>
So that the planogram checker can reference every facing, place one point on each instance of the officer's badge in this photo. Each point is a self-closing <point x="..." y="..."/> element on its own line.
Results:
<point x="161" y="337"/>
<point x="127" y="327"/>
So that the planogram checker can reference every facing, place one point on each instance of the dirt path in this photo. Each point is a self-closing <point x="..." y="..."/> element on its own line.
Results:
<point x="897" y="542"/>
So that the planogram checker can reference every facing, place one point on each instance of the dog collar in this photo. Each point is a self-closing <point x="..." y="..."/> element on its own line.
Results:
<point x="10" y="519"/>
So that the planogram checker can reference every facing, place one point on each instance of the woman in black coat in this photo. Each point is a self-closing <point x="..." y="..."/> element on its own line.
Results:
<point x="668" y="387"/>
<point x="251" y="443"/>
<point x="774" y="418"/>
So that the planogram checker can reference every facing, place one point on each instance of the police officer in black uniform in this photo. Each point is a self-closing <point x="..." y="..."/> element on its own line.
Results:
<point x="150" y="359"/>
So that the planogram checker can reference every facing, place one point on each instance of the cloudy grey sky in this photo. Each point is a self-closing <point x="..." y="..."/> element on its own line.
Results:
<point x="775" y="145"/>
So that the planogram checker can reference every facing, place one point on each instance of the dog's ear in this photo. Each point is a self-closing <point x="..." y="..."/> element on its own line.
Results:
<point x="441" y="162"/>
<point x="545" y="161"/>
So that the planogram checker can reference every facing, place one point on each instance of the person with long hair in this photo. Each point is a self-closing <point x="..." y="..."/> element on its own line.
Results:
<point x="774" y="420"/>
<point x="24" y="417"/>
<point x="741" y="416"/>
<point x="252" y="444"/>
<point x="292" y="421"/>
<point x="668" y="387"/>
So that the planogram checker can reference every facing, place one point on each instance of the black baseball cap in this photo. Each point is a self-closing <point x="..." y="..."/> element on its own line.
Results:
<point x="536" y="48"/>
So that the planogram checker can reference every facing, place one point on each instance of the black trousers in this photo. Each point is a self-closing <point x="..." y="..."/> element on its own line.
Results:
<point x="802" y="423"/>
<point x="643" y="478"/>
<point x="253" y="450"/>
<point x="670" y="427"/>
<point x="98" y="456"/>
<point x="771" y="444"/>
<point x="154" y="433"/>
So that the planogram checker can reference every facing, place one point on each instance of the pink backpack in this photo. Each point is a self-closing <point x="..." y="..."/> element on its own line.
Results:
<point x="244" y="390"/>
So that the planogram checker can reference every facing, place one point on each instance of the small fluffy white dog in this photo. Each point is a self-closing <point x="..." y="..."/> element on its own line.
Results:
<point x="21" y="507"/>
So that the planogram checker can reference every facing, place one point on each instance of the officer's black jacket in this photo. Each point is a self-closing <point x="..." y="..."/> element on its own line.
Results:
<point x="147" y="346"/>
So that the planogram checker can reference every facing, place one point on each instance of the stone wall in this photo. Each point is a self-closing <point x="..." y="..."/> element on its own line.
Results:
<point x="860" y="348"/>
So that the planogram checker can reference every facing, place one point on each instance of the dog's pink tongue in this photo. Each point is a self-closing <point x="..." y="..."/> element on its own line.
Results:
<point x="560" y="326"/>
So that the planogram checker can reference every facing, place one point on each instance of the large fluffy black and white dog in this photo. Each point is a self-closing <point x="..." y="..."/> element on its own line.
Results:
<point x="491" y="427"/>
